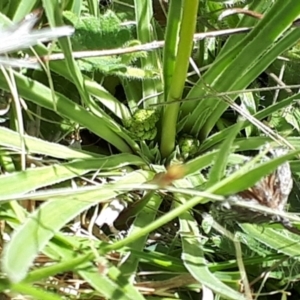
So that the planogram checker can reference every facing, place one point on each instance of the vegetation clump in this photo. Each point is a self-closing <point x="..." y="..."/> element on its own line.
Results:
<point x="188" y="145"/>
<point x="142" y="125"/>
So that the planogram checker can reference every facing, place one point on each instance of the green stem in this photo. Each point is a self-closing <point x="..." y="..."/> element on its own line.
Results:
<point x="146" y="33"/>
<point x="187" y="29"/>
<point x="171" y="41"/>
<point x="34" y="292"/>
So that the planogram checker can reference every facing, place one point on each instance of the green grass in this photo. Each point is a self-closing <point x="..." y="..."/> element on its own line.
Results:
<point x="165" y="135"/>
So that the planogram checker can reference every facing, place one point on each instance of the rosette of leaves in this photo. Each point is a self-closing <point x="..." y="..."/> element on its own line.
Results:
<point x="142" y="125"/>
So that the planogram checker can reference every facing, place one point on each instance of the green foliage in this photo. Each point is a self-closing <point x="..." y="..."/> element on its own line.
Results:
<point x="115" y="66"/>
<point x="106" y="32"/>
<point x="188" y="146"/>
<point x="142" y="125"/>
<point x="233" y="2"/>
<point x="223" y="120"/>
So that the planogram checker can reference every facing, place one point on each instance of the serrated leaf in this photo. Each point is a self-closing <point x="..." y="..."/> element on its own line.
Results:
<point x="93" y="33"/>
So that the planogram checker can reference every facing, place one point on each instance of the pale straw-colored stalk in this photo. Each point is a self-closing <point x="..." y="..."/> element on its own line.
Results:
<point x="23" y="35"/>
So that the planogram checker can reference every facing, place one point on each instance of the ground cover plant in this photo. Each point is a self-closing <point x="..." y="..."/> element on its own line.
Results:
<point x="148" y="149"/>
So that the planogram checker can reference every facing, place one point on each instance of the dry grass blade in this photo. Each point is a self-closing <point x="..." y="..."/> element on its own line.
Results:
<point x="21" y="36"/>
<point x="145" y="47"/>
<point x="158" y="287"/>
<point x="265" y="129"/>
<point x="244" y="113"/>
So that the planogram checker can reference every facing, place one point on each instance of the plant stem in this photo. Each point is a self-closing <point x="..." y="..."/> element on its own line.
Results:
<point x="187" y="29"/>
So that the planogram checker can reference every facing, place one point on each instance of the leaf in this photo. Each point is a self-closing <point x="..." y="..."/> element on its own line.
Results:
<point x="22" y="182"/>
<point x="245" y="178"/>
<point x="47" y="220"/>
<point x="41" y="95"/>
<point x="116" y="66"/>
<point x="11" y="139"/>
<point x="130" y="262"/>
<point x="231" y="71"/>
<point x="220" y="162"/>
<point x="269" y="111"/>
<point x="277" y="240"/>
<point x="103" y="32"/>
<point x="193" y="258"/>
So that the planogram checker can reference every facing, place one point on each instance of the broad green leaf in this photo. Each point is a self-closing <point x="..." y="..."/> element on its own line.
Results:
<point x="103" y="32"/>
